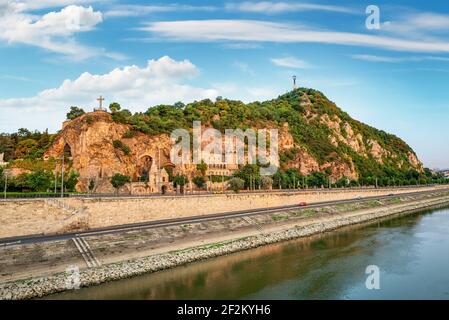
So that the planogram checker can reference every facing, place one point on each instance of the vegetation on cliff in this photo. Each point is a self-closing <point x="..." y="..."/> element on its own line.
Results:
<point x="304" y="110"/>
<point x="321" y="133"/>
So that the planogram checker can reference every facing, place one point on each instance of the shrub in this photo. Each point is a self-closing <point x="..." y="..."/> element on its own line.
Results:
<point x="120" y="145"/>
<point x="199" y="181"/>
<point x="119" y="180"/>
<point x="266" y="182"/>
<point x="129" y="134"/>
<point x="236" y="184"/>
<point x="74" y="113"/>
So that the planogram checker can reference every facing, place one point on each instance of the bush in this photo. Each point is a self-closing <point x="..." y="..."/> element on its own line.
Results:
<point x="199" y="181"/>
<point x="236" y="184"/>
<point x="129" y="134"/>
<point x="120" y="145"/>
<point x="266" y="182"/>
<point x="74" y="113"/>
<point x="119" y="180"/>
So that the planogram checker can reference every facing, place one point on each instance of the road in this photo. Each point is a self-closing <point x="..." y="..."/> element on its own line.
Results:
<point x="40" y="238"/>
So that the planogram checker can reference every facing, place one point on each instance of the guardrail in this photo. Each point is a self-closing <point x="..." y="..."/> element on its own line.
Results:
<point x="201" y="193"/>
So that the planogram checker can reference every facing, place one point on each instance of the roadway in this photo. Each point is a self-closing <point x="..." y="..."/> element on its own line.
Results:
<point x="40" y="238"/>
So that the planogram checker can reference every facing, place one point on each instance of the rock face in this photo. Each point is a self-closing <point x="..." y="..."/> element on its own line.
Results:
<point x="320" y="137"/>
<point x="89" y="143"/>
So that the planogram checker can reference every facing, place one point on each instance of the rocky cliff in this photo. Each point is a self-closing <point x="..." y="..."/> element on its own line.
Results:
<point x="314" y="135"/>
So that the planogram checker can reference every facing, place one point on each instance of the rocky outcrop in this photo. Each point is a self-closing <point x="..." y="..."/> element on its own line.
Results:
<point x="98" y="147"/>
<point x="88" y="142"/>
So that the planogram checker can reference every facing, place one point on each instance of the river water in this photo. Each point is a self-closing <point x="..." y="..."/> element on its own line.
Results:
<point x="412" y="254"/>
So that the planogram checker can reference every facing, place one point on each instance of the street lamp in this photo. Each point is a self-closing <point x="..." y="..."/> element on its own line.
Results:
<point x="6" y="183"/>
<point x="62" y="176"/>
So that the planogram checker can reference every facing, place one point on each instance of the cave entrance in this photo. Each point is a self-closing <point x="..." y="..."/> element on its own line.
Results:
<point x="67" y="151"/>
<point x="143" y="168"/>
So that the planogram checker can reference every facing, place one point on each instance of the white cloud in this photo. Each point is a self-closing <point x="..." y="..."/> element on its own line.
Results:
<point x="140" y="10"/>
<point x="387" y="59"/>
<point x="44" y="4"/>
<point x="53" y="31"/>
<point x="261" y="31"/>
<point x="269" y="7"/>
<point x="417" y="24"/>
<point x="160" y="81"/>
<point x="290" y="62"/>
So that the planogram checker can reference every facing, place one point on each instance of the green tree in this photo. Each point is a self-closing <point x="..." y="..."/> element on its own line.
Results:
<point x="249" y="173"/>
<point x="199" y="181"/>
<point x="180" y="180"/>
<point x="39" y="181"/>
<point x="202" y="167"/>
<point x="115" y="107"/>
<point x="118" y="180"/>
<point x="236" y="184"/>
<point x="71" y="180"/>
<point x="266" y="182"/>
<point x="75" y="112"/>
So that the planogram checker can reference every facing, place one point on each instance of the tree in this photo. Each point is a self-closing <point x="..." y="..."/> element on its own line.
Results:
<point x="236" y="184"/>
<point x="202" y="167"/>
<point x="266" y="182"/>
<point x="75" y="112"/>
<point x="91" y="185"/>
<point x="71" y="181"/>
<point x="39" y="180"/>
<point x="180" y="180"/>
<point x="118" y="180"/>
<point x="115" y="107"/>
<point x="199" y="181"/>
<point x="249" y="173"/>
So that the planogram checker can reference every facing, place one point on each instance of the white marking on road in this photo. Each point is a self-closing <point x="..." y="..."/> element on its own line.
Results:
<point x="86" y="252"/>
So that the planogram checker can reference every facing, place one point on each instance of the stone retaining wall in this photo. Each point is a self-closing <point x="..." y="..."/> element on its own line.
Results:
<point x="25" y="217"/>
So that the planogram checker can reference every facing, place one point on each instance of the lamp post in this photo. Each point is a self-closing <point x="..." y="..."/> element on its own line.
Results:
<point x="62" y="176"/>
<point x="6" y="183"/>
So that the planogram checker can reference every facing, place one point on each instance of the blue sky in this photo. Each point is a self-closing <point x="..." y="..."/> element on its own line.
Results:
<point x="54" y="54"/>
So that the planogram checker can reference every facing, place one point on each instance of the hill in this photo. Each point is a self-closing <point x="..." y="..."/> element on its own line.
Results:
<point x="317" y="140"/>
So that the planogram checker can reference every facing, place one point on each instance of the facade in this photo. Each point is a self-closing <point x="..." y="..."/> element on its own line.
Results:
<point x="157" y="182"/>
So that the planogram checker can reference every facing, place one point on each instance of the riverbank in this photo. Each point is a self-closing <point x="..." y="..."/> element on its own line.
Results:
<point x="240" y="240"/>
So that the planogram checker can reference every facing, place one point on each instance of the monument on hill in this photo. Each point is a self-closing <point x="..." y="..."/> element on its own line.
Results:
<point x="100" y="100"/>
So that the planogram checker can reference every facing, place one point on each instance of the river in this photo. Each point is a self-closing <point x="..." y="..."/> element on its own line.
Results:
<point x="411" y="252"/>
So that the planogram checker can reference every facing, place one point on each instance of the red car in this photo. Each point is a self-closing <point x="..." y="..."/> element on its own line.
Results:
<point x="303" y="204"/>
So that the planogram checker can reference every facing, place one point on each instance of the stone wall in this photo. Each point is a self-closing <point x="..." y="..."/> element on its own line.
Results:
<point x="23" y="217"/>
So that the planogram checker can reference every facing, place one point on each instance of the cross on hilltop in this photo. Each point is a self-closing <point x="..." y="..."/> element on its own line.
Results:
<point x="100" y="100"/>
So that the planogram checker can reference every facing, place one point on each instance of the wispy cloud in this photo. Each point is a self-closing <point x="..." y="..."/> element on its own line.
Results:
<point x="141" y="10"/>
<point x="417" y="24"/>
<point x="246" y="45"/>
<point x="387" y="59"/>
<point x="261" y="31"/>
<point x="15" y="78"/>
<point x="269" y="7"/>
<point x="290" y="62"/>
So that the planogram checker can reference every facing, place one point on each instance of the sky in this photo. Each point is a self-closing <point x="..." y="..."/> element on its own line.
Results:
<point x="394" y="76"/>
